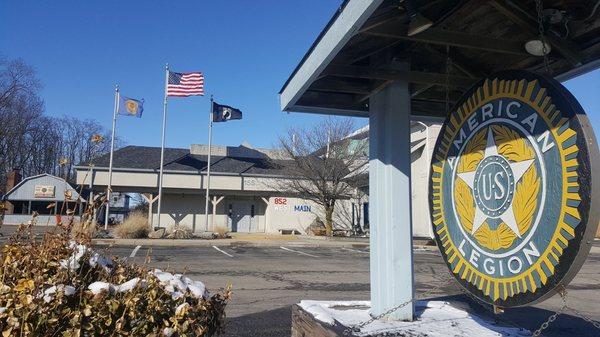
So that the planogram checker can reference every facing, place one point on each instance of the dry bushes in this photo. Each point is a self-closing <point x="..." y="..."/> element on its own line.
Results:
<point x="84" y="229"/>
<point x="180" y="232"/>
<point x="135" y="226"/>
<point x="45" y="291"/>
<point x="221" y="231"/>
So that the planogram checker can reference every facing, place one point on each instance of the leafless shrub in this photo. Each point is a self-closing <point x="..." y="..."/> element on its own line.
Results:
<point x="135" y="226"/>
<point x="221" y="232"/>
<point x="84" y="229"/>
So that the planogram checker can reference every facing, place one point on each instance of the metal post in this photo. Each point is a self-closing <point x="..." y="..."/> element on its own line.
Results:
<point x="428" y="161"/>
<point x="150" y="203"/>
<point x="110" y="164"/>
<point x="210" y="123"/>
<point x="162" y="145"/>
<point x="390" y="201"/>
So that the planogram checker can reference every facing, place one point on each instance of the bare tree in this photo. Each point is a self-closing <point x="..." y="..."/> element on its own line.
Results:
<point x="78" y="145"/>
<point x="17" y="81"/>
<point x="36" y="143"/>
<point x="321" y="158"/>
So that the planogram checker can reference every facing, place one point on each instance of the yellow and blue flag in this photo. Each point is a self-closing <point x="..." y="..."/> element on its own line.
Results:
<point x="131" y="107"/>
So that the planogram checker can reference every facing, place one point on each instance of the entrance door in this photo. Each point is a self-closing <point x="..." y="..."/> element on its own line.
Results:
<point x="242" y="216"/>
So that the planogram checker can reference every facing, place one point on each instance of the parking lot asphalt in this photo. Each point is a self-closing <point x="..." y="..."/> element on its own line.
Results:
<point x="268" y="280"/>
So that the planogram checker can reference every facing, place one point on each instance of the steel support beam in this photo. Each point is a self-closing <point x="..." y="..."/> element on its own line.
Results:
<point x="390" y="200"/>
<point x="448" y="38"/>
<point x="376" y="73"/>
<point x="341" y="86"/>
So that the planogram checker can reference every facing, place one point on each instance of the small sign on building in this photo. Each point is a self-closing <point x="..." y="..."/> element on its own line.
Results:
<point x="43" y="191"/>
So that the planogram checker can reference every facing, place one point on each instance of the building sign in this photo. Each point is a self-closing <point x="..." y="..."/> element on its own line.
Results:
<point x="43" y="191"/>
<point x="510" y="191"/>
<point x="282" y="205"/>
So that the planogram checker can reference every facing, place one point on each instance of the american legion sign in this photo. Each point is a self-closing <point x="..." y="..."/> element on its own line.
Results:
<point x="511" y="188"/>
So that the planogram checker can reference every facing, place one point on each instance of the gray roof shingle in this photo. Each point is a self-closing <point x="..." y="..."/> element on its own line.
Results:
<point x="139" y="157"/>
<point x="143" y="157"/>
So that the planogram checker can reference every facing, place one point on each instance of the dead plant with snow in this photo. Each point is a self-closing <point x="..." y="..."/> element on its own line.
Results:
<point x="59" y="287"/>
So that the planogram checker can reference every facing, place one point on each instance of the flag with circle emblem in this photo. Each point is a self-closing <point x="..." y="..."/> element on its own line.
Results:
<point x="131" y="107"/>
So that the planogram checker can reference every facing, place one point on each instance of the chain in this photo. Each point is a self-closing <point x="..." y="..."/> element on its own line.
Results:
<point x="540" y="16"/>
<point x="596" y="324"/>
<point x="448" y="64"/>
<point x="356" y="328"/>
<point x="484" y="304"/>
<point x="552" y="318"/>
<point x="562" y="292"/>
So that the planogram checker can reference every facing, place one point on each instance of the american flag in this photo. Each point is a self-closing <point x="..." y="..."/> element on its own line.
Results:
<point x="185" y="84"/>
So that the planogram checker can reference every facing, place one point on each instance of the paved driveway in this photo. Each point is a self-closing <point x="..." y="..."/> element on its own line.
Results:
<point x="268" y="280"/>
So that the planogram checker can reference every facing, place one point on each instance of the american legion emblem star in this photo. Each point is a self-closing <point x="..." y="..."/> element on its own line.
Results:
<point x="511" y="188"/>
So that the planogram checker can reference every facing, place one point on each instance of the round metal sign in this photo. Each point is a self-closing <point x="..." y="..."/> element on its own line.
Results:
<point x="511" y="188"/>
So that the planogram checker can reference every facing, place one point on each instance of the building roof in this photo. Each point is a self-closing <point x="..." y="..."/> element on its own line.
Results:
<point x="25" y="189"/>
<point x="176" y="159"/>
<point x="352" y="57"/>
<point x="138" y="157"/>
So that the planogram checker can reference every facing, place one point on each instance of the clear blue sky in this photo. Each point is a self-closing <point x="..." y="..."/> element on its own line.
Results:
<point x="246" y="49"/>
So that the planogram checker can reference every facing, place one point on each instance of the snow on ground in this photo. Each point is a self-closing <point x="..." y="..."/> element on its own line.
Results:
<point x="433" y="319"/>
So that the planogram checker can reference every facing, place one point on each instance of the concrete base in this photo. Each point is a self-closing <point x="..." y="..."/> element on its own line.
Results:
<point x="433" y="319"/>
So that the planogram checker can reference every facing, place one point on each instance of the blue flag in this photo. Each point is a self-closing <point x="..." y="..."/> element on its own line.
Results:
<point x="131" y="107"/>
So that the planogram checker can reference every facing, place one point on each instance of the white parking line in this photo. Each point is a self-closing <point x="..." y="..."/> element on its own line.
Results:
<point x="354" y="250"/>
<point x="222" y="251"/>
<point x="134" y="251"/>
<point x="297" y="251"/>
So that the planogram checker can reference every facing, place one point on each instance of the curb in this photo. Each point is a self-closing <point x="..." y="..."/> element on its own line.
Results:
<point x="232" y="243"/>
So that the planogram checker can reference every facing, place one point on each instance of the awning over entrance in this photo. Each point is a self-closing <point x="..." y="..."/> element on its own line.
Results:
<point x="350" y="60"/>
<point x="390" y="60"/>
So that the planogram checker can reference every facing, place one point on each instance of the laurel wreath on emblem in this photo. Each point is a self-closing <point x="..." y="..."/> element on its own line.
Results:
<point x="514" y="148"/>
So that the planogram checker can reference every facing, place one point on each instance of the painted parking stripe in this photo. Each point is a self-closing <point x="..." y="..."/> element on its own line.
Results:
<point x="222" y="251"/>
<point x="134" y="251"/>
<point x="355" y="250"/>
<point x="297" y="251"/>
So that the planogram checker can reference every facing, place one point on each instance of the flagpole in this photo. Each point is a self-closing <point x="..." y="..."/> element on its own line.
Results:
<point x="162" y="145"/>
<point x="110" y="164"/>
<point x="210" y="123"/>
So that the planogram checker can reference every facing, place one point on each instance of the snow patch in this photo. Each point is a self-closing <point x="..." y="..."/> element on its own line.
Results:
<point x="433" y="319"/>
<point x="100" y="260"/>
<point x="99" y="286"/>
<point x="127" y="286"/>
<point x="49" y="293"/>
<point x="72" y="263"/>
<point x="178" y="284"/>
